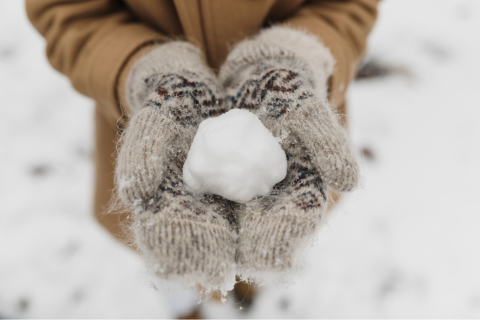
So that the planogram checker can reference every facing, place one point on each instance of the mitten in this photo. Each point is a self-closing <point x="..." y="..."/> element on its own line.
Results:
<point x="281" y="75"/>
<point x="181" y="236"/>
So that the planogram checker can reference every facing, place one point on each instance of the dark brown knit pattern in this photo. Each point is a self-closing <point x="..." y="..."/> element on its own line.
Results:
<point x="194" y="99"/>
<point x="252" y="94"/>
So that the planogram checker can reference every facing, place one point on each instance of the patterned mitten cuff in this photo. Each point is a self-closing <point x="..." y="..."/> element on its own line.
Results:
<point x="281" y="75"/>
<point x="172" y="58"/>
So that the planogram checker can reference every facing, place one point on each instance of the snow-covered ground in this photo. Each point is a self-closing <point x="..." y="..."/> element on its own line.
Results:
<point x="406" y="244"/>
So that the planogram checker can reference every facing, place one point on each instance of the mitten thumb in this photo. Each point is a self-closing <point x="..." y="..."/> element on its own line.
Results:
<point x="327" y="143"/>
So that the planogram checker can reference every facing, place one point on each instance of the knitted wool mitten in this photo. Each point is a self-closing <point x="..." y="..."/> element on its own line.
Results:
<point x="281" y="76"/>
<point x="181" y="236"/>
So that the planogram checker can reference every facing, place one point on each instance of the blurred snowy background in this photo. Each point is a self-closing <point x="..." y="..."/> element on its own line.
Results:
<point x="406" y="244"/>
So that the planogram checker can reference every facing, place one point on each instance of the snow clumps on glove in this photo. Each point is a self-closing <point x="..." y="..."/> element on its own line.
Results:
<point x="234" y="156"/>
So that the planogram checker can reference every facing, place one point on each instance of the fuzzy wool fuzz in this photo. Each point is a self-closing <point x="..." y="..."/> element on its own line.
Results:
<point x="182" y="237"/>
<point x="281" y="76"/>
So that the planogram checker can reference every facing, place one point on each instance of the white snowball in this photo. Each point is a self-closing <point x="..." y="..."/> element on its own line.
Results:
<point x="234" y="156"/>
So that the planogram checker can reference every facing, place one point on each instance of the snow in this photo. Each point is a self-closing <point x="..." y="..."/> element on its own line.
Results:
<point x="406" y="244"/>
<point x="179" y="299"/>
<point x="235" y="156"/>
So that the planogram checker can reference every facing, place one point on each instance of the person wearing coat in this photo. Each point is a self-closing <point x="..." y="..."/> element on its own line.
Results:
<point x="157" y="68"/>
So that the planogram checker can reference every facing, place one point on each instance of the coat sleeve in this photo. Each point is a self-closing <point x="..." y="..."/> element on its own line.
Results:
<point x="91" y="41"/>
<point x="343" y="26"/>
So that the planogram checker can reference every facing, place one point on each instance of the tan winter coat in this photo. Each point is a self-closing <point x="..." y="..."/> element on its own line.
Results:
<point x="95" y="42"/>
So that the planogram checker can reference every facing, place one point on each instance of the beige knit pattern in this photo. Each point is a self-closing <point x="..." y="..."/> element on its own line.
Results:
<point x="271" y="79"/>
<point x="182" y="237"/>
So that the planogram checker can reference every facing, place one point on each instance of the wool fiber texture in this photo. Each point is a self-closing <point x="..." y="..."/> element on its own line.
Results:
<point x="281" y="76"/>
<point x="182" y="237"/>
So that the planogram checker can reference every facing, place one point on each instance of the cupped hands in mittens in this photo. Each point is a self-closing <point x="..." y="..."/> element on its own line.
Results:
<point x="184" y="237"/>
<point x="281" y="76"/>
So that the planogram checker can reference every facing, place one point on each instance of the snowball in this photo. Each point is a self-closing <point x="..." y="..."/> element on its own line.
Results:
<point x="234" y="156"/>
